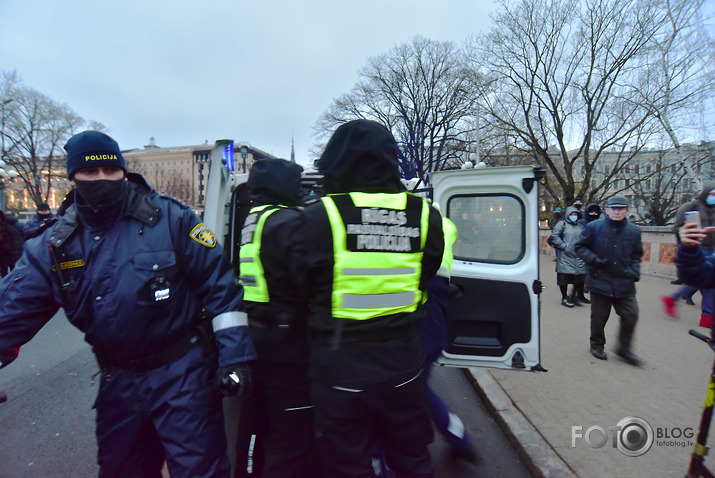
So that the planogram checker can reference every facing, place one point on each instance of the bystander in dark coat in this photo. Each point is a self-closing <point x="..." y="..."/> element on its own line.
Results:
<point x="12" y="242"/>
<point x="612" y="249"/>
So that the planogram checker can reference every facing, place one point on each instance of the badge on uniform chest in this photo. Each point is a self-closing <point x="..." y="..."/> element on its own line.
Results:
<point x="159" y="288"/>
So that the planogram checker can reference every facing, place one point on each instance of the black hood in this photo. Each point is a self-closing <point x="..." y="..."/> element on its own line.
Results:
<point x="589" y="208"/>
<point x="274" y="181"/>
<point x="360" y="156"/>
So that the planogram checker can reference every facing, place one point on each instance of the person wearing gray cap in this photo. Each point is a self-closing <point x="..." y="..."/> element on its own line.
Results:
<point x="612" y="249"/>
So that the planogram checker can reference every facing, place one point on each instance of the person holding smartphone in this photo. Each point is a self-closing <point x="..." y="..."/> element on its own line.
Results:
<point x="704" y="205"/>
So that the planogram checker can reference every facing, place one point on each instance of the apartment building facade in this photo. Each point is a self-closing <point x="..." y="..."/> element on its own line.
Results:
<point x="653" y="180"/>
<point x="182" y="171"/>
<point x="177" y="171"/>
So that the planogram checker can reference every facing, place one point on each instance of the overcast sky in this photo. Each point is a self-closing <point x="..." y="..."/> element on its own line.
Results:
<point x="187" y="71"/>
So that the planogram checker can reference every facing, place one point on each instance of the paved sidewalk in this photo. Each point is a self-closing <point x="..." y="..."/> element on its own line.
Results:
<point x="668" y="391"/>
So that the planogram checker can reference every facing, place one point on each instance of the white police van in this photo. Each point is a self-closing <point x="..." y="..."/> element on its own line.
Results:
<point x="495" y="298"/>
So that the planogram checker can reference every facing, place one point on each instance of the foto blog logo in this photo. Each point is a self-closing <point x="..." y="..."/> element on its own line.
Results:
<point x="632" y="436"/>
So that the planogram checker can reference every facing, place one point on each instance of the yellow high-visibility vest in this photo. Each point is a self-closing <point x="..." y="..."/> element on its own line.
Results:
<point x="252" y="278"/>
<point x="378" y="243"/>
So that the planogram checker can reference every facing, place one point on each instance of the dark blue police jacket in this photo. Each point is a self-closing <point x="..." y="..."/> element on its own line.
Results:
<point x="133" y="288"/>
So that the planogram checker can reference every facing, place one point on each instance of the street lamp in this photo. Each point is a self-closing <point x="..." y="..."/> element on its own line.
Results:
<point x="244" y="156"/>
<point x="5" y="175"/>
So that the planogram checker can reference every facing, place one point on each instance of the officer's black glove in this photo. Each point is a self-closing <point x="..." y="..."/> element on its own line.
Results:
<point x="236" y="379"/>
<point x="600" y="263"/>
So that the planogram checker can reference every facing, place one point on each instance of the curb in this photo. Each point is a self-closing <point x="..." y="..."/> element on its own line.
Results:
<point x="538" y="455"/>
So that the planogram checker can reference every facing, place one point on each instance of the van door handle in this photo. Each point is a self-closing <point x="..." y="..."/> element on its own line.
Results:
<point x="455" y="290"/>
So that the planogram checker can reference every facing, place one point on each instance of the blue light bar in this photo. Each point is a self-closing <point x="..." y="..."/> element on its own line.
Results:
<point x="228" y="157"/>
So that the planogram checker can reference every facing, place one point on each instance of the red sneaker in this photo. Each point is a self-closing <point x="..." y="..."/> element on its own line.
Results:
<point x="706" y="321"/>
<point x="669" y="306"/>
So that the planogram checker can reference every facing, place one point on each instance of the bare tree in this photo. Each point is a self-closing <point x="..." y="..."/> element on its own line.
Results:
<point x="559" y="79"/>
<point x="678" y="72"/>
<point x="663" y="185"/>
<point x="177" y="186"/>
<point x="35" y="129"/>
<point x="424" y="93"/>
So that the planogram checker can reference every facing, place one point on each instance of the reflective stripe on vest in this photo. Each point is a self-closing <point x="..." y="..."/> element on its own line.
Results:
<point x="255" y="288"/>
<point x="381" y="275"/>
<point x="450" y="237"/>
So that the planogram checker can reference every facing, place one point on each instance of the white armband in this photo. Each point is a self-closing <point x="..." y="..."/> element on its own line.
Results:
<point x="229" y="319"/>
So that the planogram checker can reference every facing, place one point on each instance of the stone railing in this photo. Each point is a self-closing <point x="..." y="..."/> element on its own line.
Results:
<point x="658" y="250"/>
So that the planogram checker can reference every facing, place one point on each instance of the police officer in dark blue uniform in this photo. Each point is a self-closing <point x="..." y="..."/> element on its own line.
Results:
<point x="369" y="249"/>
<point x="138" y="273"/>
<point x="277" y="317"/>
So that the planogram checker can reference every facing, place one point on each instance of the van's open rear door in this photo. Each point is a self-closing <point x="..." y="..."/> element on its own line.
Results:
<point x="495" y="303"/>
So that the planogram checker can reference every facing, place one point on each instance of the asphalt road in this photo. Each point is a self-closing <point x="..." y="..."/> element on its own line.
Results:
<point x="47" y="424"/>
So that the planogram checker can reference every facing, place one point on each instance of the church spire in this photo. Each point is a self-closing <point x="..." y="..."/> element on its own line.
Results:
<point x="292" y="148"/>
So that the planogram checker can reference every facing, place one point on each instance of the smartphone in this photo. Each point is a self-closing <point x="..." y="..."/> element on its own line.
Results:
<point x="693" y="216"/>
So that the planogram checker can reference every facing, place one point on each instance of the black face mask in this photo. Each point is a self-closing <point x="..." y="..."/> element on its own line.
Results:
<point x="577" y="206"/>
<point x="100" y="192"/>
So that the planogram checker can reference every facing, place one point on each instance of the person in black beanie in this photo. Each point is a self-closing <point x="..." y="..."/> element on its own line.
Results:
<point x="148" y="285"/>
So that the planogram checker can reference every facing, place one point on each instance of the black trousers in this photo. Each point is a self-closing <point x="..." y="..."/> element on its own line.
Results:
<point x="627" y="310"/>
<point x="276" y="433"/>
<point x="250" y="435"/>
<point x="352" y="422"/>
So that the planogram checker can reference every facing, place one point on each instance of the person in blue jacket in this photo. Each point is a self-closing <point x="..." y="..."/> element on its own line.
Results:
<point x="434" y="335"/>
<point x="149" y="286"/>
<point x="695" y="263"/>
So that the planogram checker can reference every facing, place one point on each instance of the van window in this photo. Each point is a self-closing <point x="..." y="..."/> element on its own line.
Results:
<point x="490" y="228"/>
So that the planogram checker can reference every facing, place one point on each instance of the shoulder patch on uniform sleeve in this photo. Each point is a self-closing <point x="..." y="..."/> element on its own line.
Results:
<point x="201" y="234"/>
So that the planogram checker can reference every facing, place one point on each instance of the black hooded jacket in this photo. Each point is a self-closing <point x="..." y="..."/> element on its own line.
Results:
<point x="278" y="328"/>
<point x="360" y="157"/>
